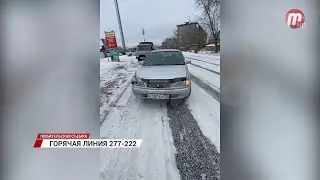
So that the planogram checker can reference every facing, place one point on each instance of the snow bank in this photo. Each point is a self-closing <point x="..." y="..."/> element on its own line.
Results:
<point x="114" y="79"/>
<point x="127" y="58"/>
<point x="213" y="58"/>
<point x="212" y="67"/>
<point x="208" y="77"/>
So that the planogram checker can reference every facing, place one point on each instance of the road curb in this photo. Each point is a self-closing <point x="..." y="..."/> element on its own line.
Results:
<point x="112" y="103"/>
<point x="210" y="90"/>
<point x="206" y="69"/>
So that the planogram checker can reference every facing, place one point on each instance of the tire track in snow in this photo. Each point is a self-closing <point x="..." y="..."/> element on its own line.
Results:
<point x="196" y="157"/>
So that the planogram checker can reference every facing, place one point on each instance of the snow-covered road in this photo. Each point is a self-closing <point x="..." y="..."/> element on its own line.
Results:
<point x="114" y="79"/>
<point x="211" y="58"/>
<point x="206" y="76"/>
<point x="138" y="119"/>
<point x="178" y="142"/>
<point x="208" y="66"/>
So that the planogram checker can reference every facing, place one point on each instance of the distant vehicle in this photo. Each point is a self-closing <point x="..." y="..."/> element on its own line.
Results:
<point x="150" y="43"/>
<point x="146" y="42"/>
<point x="163" y="75"/>
<point x="142" y="51"/>
<point x="131" y="52"/>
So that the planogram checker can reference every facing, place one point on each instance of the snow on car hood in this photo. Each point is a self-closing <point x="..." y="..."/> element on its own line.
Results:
<point x="162" y="72"/>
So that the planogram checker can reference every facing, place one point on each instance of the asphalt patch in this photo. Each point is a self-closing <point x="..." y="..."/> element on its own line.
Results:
<point x="197" y="158"/>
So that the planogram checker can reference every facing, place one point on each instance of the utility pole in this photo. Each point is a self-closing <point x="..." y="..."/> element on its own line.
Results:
<point x="120" y="25"/>
<point x="143" y="33"/>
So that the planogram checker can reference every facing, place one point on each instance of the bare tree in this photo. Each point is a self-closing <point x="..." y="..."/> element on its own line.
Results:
<point x="175" y="33"/>
<point x="175" y="39"/>
<point x="210" y="18"/>
<point x="169" y="43"/>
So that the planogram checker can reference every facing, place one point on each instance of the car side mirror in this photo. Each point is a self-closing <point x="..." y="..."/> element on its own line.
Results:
<point x="188" y="61"/>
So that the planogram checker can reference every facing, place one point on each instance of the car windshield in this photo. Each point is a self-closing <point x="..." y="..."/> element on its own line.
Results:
<point x="144" y="48"/>
<point x="164" y="58"/>
<point x="147" y="43"/>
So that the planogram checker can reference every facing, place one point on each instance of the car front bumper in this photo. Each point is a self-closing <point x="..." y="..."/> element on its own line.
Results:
<point x="174" y="93"/>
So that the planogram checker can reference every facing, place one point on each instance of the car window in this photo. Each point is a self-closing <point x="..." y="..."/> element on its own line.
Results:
<point x="144" y="48"/>
<point x="164" y="58"/>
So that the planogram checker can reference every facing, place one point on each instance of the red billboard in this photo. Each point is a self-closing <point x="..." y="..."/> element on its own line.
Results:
<point x="111" y="41"/>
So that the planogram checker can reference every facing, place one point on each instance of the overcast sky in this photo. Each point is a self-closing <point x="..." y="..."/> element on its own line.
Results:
<point x="158" y="17"/>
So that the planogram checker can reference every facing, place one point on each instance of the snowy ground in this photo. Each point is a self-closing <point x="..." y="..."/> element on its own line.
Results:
<point x="114" y="78"/>
<point x="208" y="66"/>
<point x="212" y="58"/>
<point x="209" y="52"/>
<point x="207" y="77"/>
<point x="178" y="142"/>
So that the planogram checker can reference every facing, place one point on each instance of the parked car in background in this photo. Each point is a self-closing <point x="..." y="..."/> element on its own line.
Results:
<point x="149" y="43"/>
<point x="143" y="50"/>
<point x="163" y="75"/>
<point x="131" y="51"/>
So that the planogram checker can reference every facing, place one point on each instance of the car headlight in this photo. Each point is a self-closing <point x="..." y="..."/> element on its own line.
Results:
<point x="188" y="82"/>
<point x="178" y="84"/>
<point x="137" y="81"/>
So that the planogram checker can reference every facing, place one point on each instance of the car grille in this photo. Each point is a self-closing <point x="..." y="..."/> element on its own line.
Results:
<point x="159" y="83"/>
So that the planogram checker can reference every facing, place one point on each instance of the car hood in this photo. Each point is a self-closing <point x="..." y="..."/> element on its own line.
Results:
<point x="162" y="72"/>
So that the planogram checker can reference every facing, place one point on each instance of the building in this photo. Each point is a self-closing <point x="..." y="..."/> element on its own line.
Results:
<point x="191" y="36"/>
<point x="169" y="43"/>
